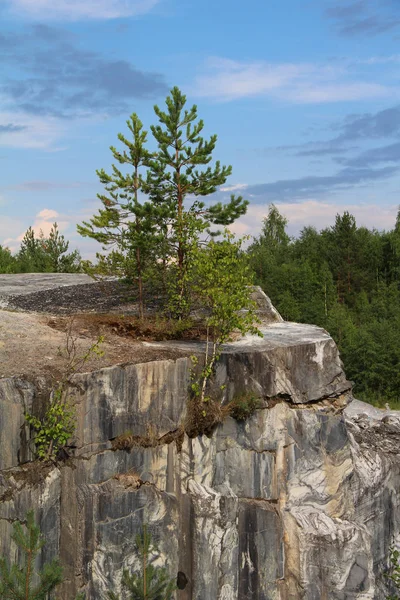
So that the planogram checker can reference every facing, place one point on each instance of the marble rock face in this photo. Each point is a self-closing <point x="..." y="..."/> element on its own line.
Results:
<point x="298" y="502"/>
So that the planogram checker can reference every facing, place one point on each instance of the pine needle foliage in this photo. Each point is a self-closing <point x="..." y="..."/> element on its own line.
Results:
<point x="124" y="224"/>
<point x="151" y="583"/>
<point x="46" y="254"/>
<point x="149" y="222"/>
<point x="176" y="174"/>
<point x="20" y="582"/>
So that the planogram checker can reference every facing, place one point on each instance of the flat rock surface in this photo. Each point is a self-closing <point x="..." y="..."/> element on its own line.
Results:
<point x="27" y="283"/>
<point x="71" y="293"/>
<point x="356" y="408"/>
<point x="64" y="293"/>
<point x="274" y="335"/>
<point x="30" y="345"/>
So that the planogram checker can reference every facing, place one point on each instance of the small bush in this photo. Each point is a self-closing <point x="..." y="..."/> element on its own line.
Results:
<point x="243" y="407"/>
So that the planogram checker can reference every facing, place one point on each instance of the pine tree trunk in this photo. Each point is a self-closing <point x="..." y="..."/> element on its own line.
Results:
<point x="181" y="249"/>
<point x="138" y="255"/>
<point x="140" y="283"/>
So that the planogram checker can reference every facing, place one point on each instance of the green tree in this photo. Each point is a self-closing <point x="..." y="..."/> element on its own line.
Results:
<point x="175" y="176"/>
<point x="391" y="251"/>
<point x="394" y="573"/>
<point x="151" y="583"/>
<point x="128" y="226"/>
<point x="8" y="263"/>
<point x="55" y="248"/>
<point x="270" y="251"/>
<point x="22" y="582"/>
<point x="46" y="255"/>
<point x="222" y="280"/>
<point x="342" y="251"/>
<point x="31" y="256"/>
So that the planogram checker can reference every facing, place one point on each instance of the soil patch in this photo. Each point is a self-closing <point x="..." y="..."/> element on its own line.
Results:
<point x="30" y="347"/>
<point x="149" y="329"/>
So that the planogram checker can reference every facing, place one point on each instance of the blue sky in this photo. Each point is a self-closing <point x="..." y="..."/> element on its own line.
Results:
<point x="303" y="94"/>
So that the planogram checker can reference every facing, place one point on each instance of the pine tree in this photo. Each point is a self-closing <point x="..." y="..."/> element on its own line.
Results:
<point x="47" y="255"/>
<point x="18" y="582"/>
<point x="175" y="175"/>
<point x="31" y="256"/>
<point x="8" y="263"/>
<point x="56" y="247"/>
<point x="343" y="244"/>
<point x="126" y="224"/>
<point x="269" y="251"/>
<point x="152" y="583"/>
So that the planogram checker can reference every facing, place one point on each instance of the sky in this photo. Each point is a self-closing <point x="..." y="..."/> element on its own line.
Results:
<point x="304" y="96"/>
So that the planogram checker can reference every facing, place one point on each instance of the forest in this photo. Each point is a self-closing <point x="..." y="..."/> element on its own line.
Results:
<point x="346" y="279"/>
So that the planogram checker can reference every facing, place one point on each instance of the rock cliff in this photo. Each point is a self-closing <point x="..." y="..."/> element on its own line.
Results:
<point x="298" y="502"/>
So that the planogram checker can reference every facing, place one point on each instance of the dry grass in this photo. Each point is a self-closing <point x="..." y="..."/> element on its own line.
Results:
<point x="131" y="479"/>
<point x="203" y="417"/>
<point x="127" y="441"/>
<point x="151" y="328"/>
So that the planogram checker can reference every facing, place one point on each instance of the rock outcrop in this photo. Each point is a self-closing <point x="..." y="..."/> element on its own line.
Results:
<point x="298" y="502"/>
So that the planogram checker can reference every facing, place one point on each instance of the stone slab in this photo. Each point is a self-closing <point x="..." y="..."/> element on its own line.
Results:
<point x="27" y="283"/>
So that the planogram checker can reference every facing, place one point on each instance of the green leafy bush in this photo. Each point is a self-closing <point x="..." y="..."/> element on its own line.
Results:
<point x="243" y="407"/>
<point x="52" y="433"/>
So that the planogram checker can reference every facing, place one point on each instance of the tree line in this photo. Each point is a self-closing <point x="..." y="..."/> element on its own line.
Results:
<point x="40" y="254"/>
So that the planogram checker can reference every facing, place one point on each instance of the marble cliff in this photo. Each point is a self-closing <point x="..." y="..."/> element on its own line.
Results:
<point x="298" y="502"/>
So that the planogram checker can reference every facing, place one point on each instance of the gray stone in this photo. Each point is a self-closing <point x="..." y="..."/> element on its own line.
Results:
<point x="298" y="502"/>
<point x="28" y="283"/>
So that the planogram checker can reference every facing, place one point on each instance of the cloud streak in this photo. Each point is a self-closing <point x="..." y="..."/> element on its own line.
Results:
<point x="47" y="78"/>
<point x="374" y="156"/>
<point x="317" y="214"/>
<point x="44" y="73"/>
<point x="74" y="10"/>
<point x="287" y="190"/>
<point x="356" y="128"/>
<point x="363" y="17"/>
<point x="11" y="128"/>
<point x="226" y="80"/>
<point x="29" y="131"/>
<point x="45" y="186"/>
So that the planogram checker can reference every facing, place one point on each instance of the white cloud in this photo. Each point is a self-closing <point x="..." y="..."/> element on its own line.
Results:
<point x="227" y="80"/>
<point x="43" y="222"/>
<point x="21" y="130"/>
<point x="9" y="231"/>
<point x="234" y="188"/>
<point x="317" y="214"/>
<point x="73" y="10"/>
<point x="341" y="92"/>
<point x="322" y="214"/>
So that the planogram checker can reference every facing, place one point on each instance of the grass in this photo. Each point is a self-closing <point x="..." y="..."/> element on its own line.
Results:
<point x="380" y="402"/>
